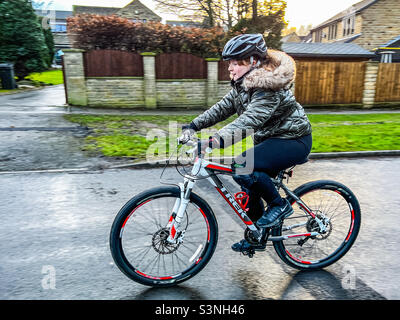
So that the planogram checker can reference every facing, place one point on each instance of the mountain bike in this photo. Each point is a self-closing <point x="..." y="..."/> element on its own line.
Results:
<point x="168" y="234"/>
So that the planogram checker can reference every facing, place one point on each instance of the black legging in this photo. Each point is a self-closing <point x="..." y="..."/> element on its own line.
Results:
<point x="270" y="157"/>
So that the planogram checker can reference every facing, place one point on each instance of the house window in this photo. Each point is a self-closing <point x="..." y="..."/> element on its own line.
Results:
<point x="59" y="28"/>
<point x="332" y="32"/>
<point x="318" y="35"/>
<point x="349" y="25"/>
<point x="139" y="20"/>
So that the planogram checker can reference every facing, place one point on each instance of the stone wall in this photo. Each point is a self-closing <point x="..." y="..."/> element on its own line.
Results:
<point x="115" y="92"/>
<point x="75" y="81"/>
<point x="181" y="93"/>
<point x="371" y="74"/>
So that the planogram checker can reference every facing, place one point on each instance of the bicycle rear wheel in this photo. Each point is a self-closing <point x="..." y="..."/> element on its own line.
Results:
<point x="138" y="238"/>
<point x="338" y="209"/>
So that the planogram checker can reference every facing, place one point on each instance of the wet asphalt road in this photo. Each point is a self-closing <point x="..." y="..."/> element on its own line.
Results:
<point x="61" y="222"/>
<point x="55" y="226"/>
<point x="35" y="136"/>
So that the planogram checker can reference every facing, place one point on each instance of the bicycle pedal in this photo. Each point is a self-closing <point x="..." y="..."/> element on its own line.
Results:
<point x="248" y="252"/>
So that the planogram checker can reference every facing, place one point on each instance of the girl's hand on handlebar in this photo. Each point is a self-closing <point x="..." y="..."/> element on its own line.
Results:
<point x="188" y="131"/>
<point x="206" y="145"/>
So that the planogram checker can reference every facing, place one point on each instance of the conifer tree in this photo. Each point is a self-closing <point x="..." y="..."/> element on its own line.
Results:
<point x="22" y="40"/>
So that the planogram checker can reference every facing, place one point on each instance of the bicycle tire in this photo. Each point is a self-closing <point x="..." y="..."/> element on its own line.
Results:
<point x="134" y="215"/>
<point x="292" y="253"/>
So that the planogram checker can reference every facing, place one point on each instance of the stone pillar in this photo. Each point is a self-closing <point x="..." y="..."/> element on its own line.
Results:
<point x="212" y="81"/>
<point x="75" y="77"/>
<point x="149" y="69"/>
<point x="371" y="74"/>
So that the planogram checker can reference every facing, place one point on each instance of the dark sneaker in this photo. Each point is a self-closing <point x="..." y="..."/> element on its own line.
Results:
<point x="244" y="246"/>
<point x="274" y="215"/>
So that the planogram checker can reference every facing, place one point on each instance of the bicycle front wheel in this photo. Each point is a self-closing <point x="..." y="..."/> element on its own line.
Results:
<point x="138" y="238"/>
<point x="339" y="220"/>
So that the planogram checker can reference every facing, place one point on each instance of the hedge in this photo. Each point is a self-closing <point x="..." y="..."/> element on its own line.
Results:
<point x="90" y="32"/>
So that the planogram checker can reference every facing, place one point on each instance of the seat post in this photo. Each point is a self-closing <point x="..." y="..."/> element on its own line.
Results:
<point x="278" y="180"/>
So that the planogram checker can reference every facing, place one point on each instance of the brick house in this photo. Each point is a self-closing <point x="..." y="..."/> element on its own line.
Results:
<point x="135" y="11"/>
<point x="368" y="23"/>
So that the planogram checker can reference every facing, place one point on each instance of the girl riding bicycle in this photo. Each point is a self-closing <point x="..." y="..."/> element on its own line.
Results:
<point x="261" y="96"/>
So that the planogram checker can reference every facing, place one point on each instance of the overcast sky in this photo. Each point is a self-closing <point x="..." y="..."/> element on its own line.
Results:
<point x="299" y="12"/>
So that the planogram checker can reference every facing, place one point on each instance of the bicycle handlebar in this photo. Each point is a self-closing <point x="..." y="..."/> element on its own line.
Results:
<point x="188" y="140"/>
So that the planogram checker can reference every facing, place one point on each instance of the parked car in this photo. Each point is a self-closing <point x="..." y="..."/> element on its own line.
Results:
<point x="58" y="56"/>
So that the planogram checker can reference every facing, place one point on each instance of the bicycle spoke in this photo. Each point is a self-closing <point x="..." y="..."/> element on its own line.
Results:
<point x="145" y="252"/>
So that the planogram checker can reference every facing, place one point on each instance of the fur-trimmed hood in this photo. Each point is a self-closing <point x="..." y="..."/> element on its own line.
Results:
<point x="278" y="74"/>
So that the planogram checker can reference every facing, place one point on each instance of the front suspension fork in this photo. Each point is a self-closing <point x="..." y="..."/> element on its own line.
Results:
<point x="179" y="210"/>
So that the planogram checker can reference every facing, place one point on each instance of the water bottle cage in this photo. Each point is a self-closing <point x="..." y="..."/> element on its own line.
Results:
<point x="243" y="199"/>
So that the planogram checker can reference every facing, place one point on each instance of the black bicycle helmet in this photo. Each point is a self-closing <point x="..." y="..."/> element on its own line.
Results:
<point x="244" y="46"/>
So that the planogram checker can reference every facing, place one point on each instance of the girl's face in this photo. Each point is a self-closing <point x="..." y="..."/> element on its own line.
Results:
<point x="237" y="70"/>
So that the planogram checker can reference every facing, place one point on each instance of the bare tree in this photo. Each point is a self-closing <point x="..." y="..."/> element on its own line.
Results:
<point x="210" y="12"/>
<point x="225" y="13"/>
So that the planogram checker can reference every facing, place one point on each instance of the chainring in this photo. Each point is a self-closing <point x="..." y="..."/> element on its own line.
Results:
<point x="248" y="235"/>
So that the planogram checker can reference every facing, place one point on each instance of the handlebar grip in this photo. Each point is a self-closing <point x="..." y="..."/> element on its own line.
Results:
<point x="210" y="142"/>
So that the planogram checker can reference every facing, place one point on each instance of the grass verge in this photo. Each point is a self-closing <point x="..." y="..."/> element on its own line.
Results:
<point x="51" y="77"/>
<point x="143" y="135"/>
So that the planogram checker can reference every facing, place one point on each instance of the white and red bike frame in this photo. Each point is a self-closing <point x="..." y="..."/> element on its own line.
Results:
<point x="203" y="168"/>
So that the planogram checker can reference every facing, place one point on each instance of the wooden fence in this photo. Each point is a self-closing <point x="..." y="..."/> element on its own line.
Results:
<point x="113" y="63"/>
<point x="180" y="66"/>
<point x="329" y="82"/>
<point x="388" y="83"/>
